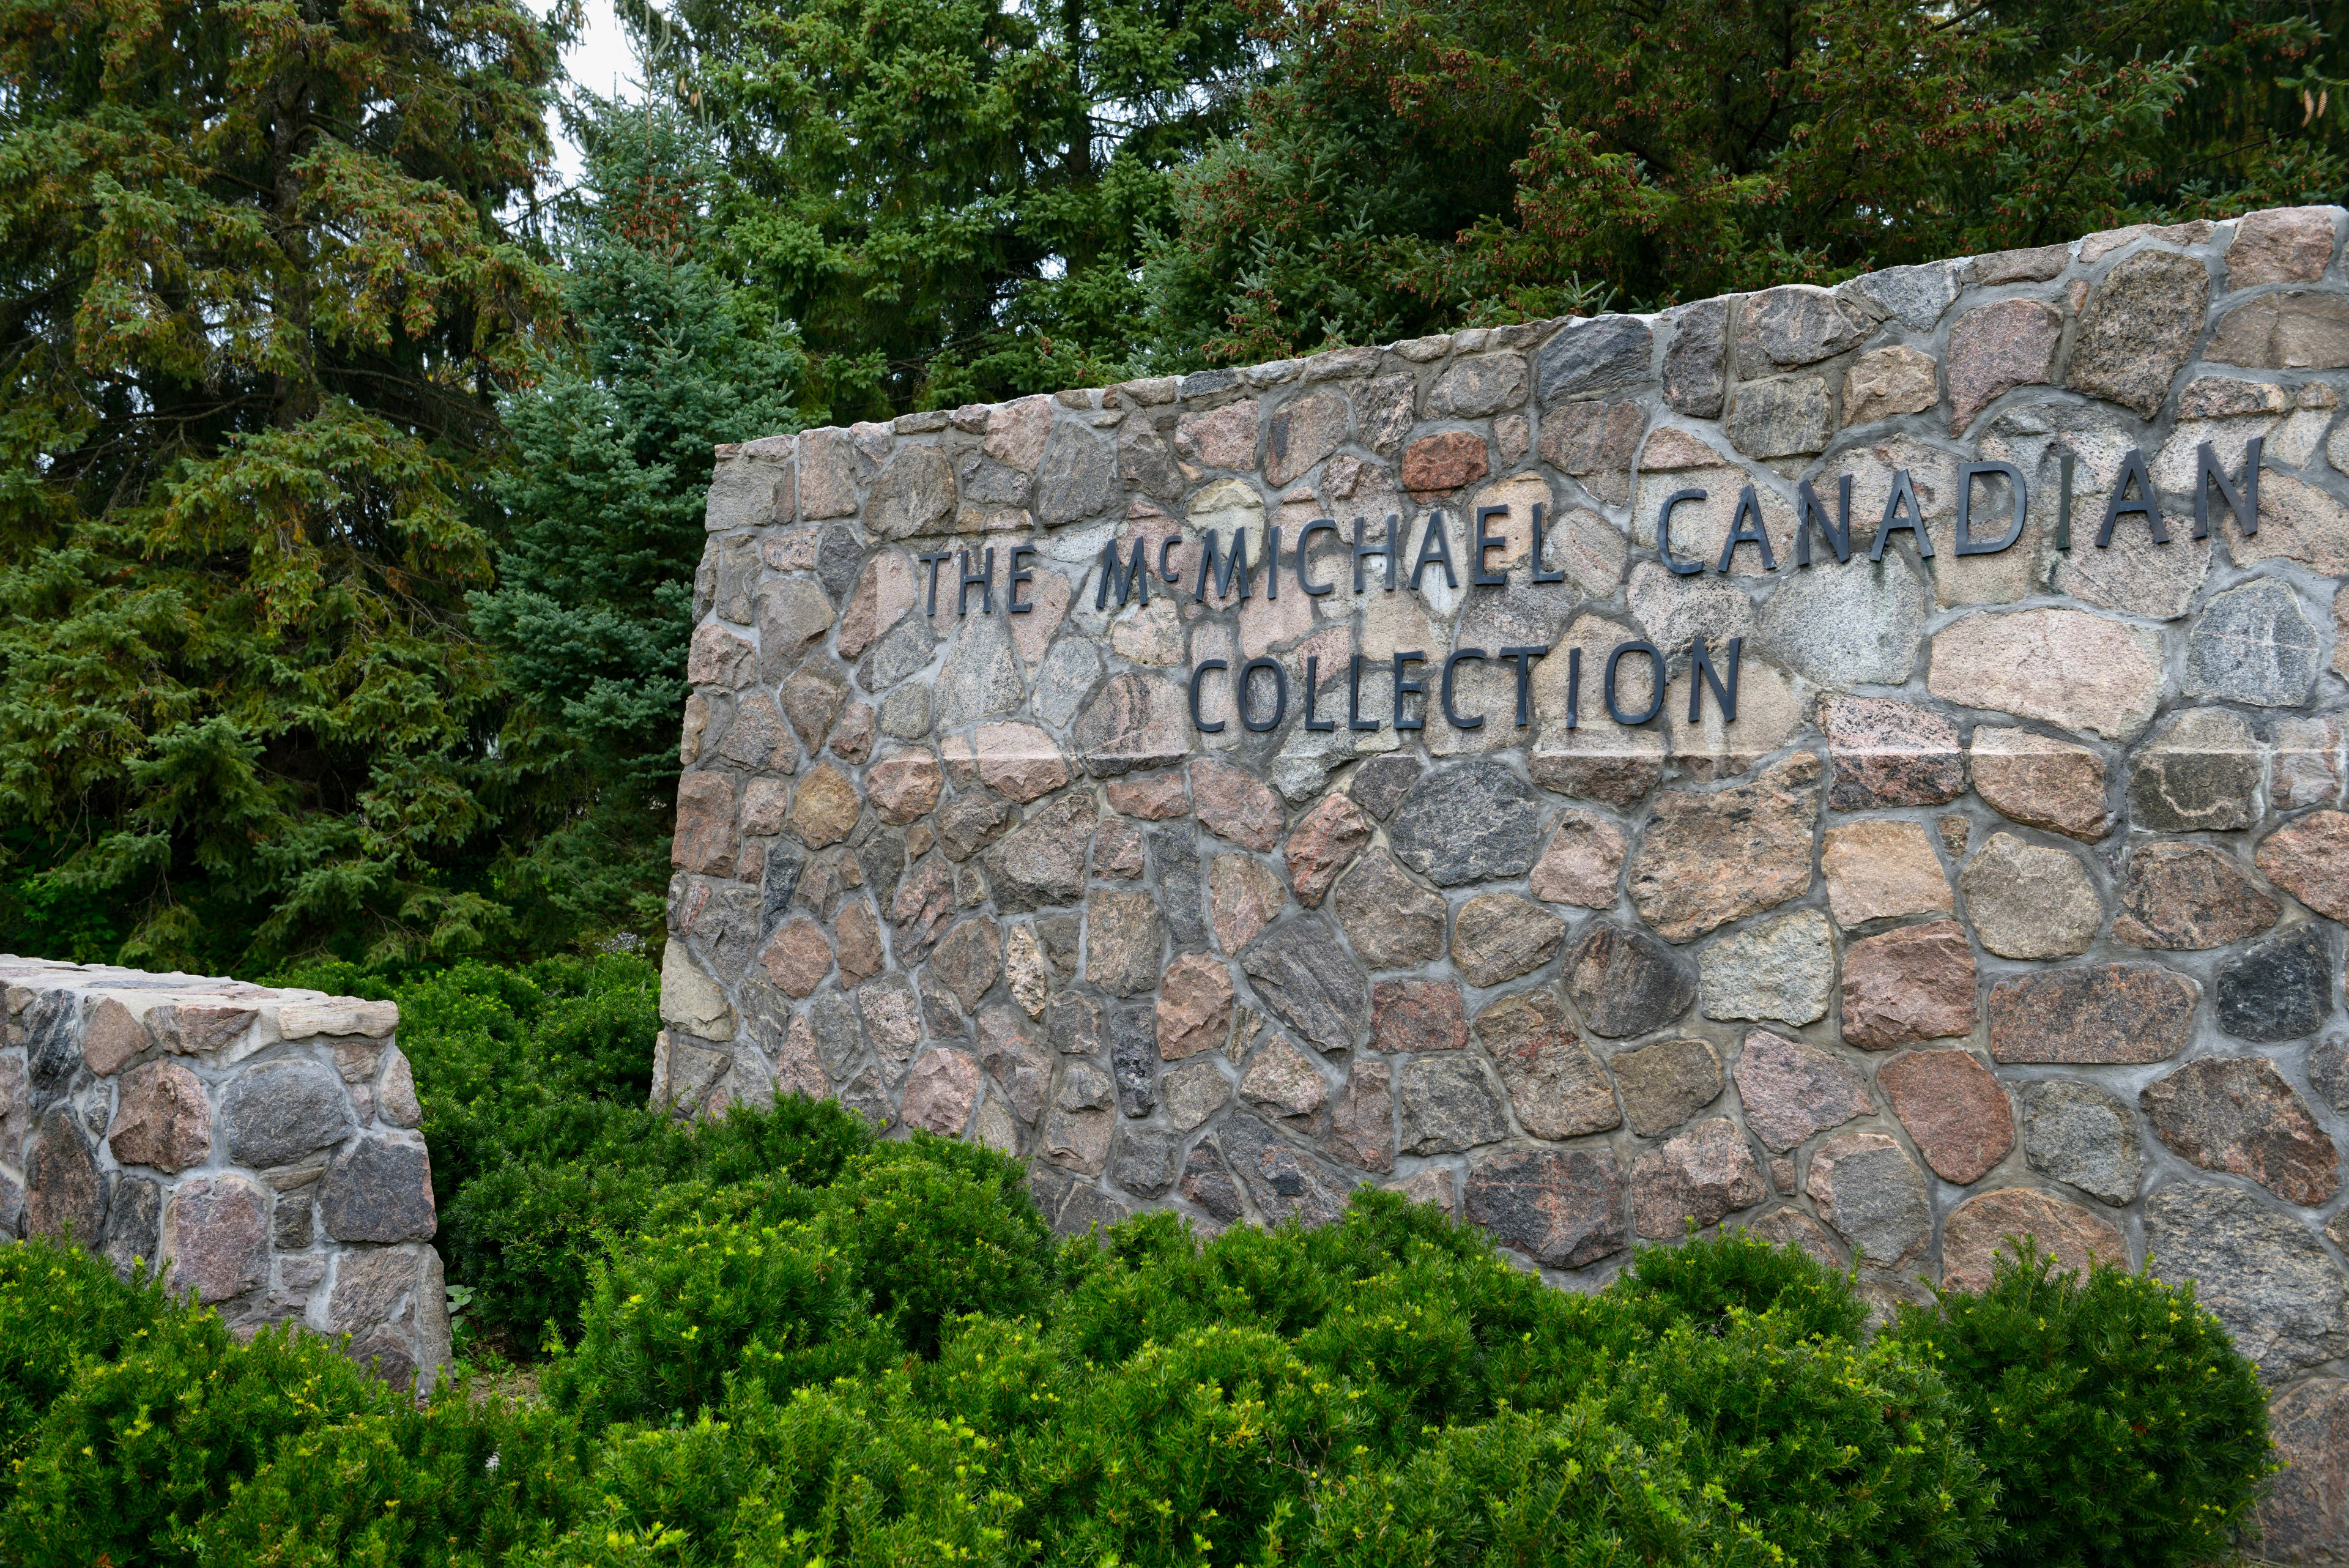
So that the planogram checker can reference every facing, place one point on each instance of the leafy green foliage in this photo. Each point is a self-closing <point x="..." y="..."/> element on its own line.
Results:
<point x="1707" y="1285"/>
<point x="255" y="312"/>
<point x="937" y="1229"/>
<point x="949" y="196"/>
<point x="2120" y="1424"/>
<point x="450" y="1485"/>
<point x="58" y="1307"/>
<point x="1416" y="167"/>
<point x="137" y="1449"/>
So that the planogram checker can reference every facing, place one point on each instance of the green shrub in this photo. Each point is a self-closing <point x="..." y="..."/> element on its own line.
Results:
<point x="2123" y="1429"/>
<point x="1701" y="1280"/>
<point x="128" y="1459"/>
<point x="1565" y="1491"/>
<point x="445" y="1487"/>
<point x="1842" y="1456"/>
<point x="57" y="1307"/>
<point x="672" y="1317"/>
<point x="934" y="1229"/>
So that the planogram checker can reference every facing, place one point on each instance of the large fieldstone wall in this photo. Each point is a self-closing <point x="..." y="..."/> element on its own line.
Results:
<point x="2010" y="899"/>
<point x="255" y="1145"/>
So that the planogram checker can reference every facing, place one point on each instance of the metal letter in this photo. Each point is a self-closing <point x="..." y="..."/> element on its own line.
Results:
<point x="1655" y="702"/>
<point x="1279" y="695"/>
<point x="1902" y="511"/>
<point x="1524" y="658"/>
<point x="1540" y="543"/>
<point x="1967" y="474"/>
<point x="1304" y="541"/>
<point x="1012" y="601"/>
<point x="1313" y="680"/>
<point x="2147" y="505"/>
<point x="985" y="580"/>
<point x="1747" y="506"/>
<point x="1198" y="722"/>
<point x="1354" y="698"/>
<point x="1478" y="577"/>
<point x="1390" y="549"/>
<point x="1440" y="536"/>
<point x="1809" y="514"/>
<point x="1702" y="674"/>
<point x="1450" y="661"/>
<point x="1139" y="575"/>
<point x="2244" y="507"/>
<point x="1401" y="686"/>
<point x="1664" y="532"/>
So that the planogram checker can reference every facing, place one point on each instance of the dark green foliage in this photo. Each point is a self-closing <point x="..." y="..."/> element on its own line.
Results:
<point x="58" y="1308"/>
<point x="2123" y="1429"/>
<point x="1842" y="1455"/>
<point x="937" y="1229"/>
<point x="1706" y="1286"/>
<point x="137" y="1449"/>
<point x="453" y="1485"/>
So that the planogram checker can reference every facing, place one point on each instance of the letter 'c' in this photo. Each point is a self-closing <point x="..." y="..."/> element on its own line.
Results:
<point x="1198" y="722"/>
<point x="1664" y="532"/>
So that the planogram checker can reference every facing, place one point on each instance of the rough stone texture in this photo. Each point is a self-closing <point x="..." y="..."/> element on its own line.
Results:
<point x="1703" y="1176"/>
<point x="1663" y="1085"/>
<point x="1781" y="969"/>
<point x="1888" y="754"/>
<point x="2305" y="1518"/>
<point x="1233" y="805"/>
<point x="2071" y="669"/>
<point x="1282" y="1082"/>
<point x="941" y="1091"/>
<point x="1848" y="626"/>
<point x="1474" y="821"/>
<point x="2309" y="859"/>
<point x="2040" y="780"/>
<point x="1881" y="869"/>
<point x="1626" y="983"/>
<point x="1124" y="938"/>
<point x="2106" y="1013"/>
<point x="2029" y="902"/>
<point x="1450" y="1104"/>
<point x="2284" y="332"/>
<point x="160" y="1119"/>
<point x="1953" y="1109"/>
<point x="1409" y="1015"/>
<point x="1979" y="1228"/>
<point x="2237" y="1114"/>
<point x="2076" y="1133"/>
<point x="1195" y="1007"/>
<point x="1392" y="921"/>
<point x="2254" y="644"/>
<point x="2181" y="896"/>
<point x="1913" y="983"/>
<point x="1562" y="1208"/>
<point x="1791" y="1090"/>
<point x="276" y="1113"/>
<point x="1500" y="936"/>
<point x="2138" y="328"/>
<point x="2285" y="1302"/>
<point x="1555" y="1086"/>
<point x="1582" y="865"/>
<point x="1303" y="974"/>
<point x="1873" y="1195"/>
<point x="2283" y="244"/>
<point x="216" y="1238"/>
<point x="1323" y="843"/>
<point x="64" y="1195"/>
<point x="1711" y="859"/>
<point x="2281" y="989"/>
<point x="1996" y="348"/>
<point x="1888" y="381"/>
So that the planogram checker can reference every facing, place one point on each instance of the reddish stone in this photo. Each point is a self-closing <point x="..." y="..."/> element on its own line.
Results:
<point x="1557" y="1086"/>
<point x="161" y="1119"/>
<point x="2046" y="782"/>
<point x="1362" y="1129"/>
<point x="1019" y="761"/>
<point x="2184" y="897"/>
<point x="1582" y="865"/>
<point x="1791" y="1090"/>
<point x="852" y="738"/>
<point x="1195" y="1007"/>
<point x="1324" y="844"/>
<point x="1979" y="1228"/>
<point x="2309" y="859"/>
<point x="1704" y="1174"/>
<point x="704" y="842"/>
<point x="2105" y="1012"/>
<point x="1117" y="852"/>
<point x="1409" y="1015"/>
<point x="1234" y="805"/>
<point x="940" y="1092"/>
<point x="1500" y="936"/>
<point x="1997" y="348"/>
<point x="1219" y="438"/>
<point x="1913" y="983"/>
<point x="216" y="1238"/>
<point x="1437" y="464"/>
<point x="1243" y="896"/>
<point x="1889" y="753"/>
<point x="798" y="958"/>
<point x="111" y="1040"/>
<point x="1708" y="859"/>
<point x="861" y="954"/>
<point x="905" y="787"/>
<point x="2283" y="244"/>
<point x="1154" y="797"/>
<point x="717" y="657"/>
<point x="2305" y="1514"/>
<point x="1954" y="1110"/>
<point x="970" y="960"/>
<point x="2237" y="1114"/>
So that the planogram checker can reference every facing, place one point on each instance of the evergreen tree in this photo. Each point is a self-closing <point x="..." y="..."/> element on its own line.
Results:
<point x="611" y="456"/>
<point x="1418" y="165"/>
<point x="951" y="197"/>
<point x="257" y="305"/>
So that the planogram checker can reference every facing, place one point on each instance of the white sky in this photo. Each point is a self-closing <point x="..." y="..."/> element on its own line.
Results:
<point x="599" y="62"/>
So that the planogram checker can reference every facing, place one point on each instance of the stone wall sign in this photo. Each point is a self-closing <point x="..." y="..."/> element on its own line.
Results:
<point x="1863" y="764"/>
